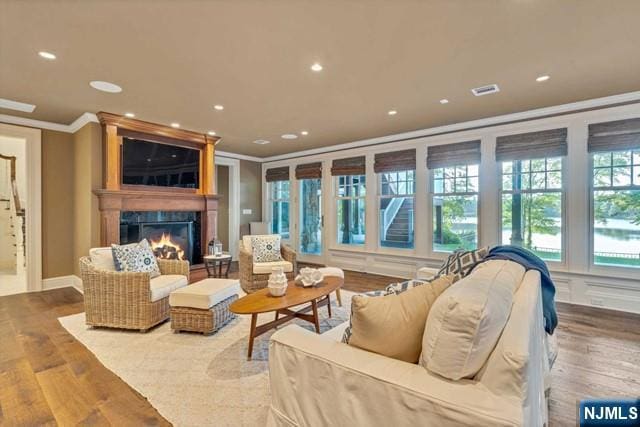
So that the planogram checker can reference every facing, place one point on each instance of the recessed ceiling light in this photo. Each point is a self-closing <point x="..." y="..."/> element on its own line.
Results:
<point x="130" y="115"/>
<point x="219" y="107"/>
<point x="175" y="125"/>
<point x="392" y="112"/>
<point x="304" y="133"/>
<point x="47" y="55"/>
<point x="444" y="101"/>
<point x="148" y="160"/>
<point x="15" y="105"/>
<point x="261" y="141"/>
<point x="316" y="67"/>
<point x="174" y="156"/>
<point x="212" y="133"/>
<point x="105" y="86"/>
<point x="543" y="78"/>
<point x="289" y="136"/>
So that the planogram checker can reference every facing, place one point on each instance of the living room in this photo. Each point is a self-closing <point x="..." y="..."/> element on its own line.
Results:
<point x="245" y="213"/>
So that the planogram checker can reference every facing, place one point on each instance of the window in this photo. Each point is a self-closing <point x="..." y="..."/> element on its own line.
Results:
<point x="310" y="216"/>
<point x="350" y="199"/>
<point x="455" y="208"/>
<point x="396" y="208"/>
<point x="279" y="201"/>
<point x="616" y="208"/>
<point x="532" y="205"/>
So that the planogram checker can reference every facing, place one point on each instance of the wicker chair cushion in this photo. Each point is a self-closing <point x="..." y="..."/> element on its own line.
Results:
<point x="205" y="293"/>
<point x="162" y="286"/>
<point x="102" y="258"/>
<point x="136" y="257"/>
<point x="266" y="267"/>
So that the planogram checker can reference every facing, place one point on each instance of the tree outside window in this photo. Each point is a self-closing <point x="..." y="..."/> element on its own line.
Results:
<point x="455" y="208"/>
<point x="310" y="216"/>
<point x="279" y="202"/>
<point x="532" y="206"/>
<point x="350" y="209"/>
<point x="616" y="208"/>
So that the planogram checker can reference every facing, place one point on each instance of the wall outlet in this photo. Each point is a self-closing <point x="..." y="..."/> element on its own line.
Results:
<point x="246" y="211"/>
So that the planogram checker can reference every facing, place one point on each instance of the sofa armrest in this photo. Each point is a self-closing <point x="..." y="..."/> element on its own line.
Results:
<point x="174" y="266"/>
<point x="316" y="380"/>
<point x="102" y="285"/>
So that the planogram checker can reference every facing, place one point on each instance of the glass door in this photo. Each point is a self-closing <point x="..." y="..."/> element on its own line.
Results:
<point x="310" y="220"/>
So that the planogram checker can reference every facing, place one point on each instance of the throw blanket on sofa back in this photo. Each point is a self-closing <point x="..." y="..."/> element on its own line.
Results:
<point x="531" y="262"/>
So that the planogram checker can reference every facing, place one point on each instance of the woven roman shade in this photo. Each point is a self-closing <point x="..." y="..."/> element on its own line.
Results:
<point x="277" y="174"/>
<point x="532" y="145"/>
<point x="395" y="161"/>
<point x="460" y="153"/>
<point x="611" y="136"/>
<point x="309" y="171"/>
<point x="350" y="166"/>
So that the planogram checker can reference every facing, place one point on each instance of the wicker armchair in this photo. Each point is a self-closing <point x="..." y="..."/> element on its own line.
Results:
<point x="123" y="299"/>
<point x="251" y="282"/>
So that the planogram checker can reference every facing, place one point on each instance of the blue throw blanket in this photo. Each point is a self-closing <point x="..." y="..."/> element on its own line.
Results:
<point x="531" y="262"/>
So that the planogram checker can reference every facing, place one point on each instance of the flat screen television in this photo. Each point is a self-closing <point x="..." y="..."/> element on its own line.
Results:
<point x="156" y="164"/>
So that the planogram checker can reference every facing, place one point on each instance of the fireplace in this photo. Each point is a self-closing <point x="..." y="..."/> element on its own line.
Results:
<point x="172" y="235"/>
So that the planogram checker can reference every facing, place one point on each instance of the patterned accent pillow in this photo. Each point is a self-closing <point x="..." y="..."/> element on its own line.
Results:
<point x="461" y="263"/>
<point x="266" y="248"/>
<point x="136" y="257"/>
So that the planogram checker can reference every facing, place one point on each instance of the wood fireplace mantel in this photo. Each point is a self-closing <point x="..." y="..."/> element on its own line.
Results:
<point x="115" y="197"/>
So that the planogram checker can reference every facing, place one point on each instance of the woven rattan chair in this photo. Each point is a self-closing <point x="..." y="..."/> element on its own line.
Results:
<point x="251" y="282"/>
<point x="123" y="300"/>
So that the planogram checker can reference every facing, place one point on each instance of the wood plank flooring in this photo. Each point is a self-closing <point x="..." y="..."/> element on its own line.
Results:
<point x="49" y="378"/>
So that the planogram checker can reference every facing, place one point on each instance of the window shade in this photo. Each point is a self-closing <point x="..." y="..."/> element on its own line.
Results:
<point x="460" y="153"/>
<point x="277" y="174"/>
<point x="309" y="171"/>
<point x="611" y="136"/>
<point x="395" y="161"/>
<point x="546" y="143"/>
<point x="350" y="166"/>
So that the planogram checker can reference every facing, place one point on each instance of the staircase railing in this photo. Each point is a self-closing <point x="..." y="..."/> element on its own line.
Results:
<point x="18" y="210"/>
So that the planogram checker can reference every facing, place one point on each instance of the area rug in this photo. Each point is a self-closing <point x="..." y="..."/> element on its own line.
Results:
<point x="191" y="379"/>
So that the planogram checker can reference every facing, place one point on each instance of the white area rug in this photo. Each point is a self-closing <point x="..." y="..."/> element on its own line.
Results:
<point x="191" y="379"/>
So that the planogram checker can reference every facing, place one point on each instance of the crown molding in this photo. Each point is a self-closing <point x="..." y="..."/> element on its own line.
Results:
<point x="239" y="156"/>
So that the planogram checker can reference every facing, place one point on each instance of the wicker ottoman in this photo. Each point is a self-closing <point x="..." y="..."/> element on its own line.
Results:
<point x="203" y="306"/>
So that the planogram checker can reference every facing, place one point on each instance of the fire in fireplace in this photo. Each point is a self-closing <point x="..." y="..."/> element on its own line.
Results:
<point x="172" y="235"/>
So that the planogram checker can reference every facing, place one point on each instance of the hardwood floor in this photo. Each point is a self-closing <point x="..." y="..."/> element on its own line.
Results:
<point x="49" y="378"/>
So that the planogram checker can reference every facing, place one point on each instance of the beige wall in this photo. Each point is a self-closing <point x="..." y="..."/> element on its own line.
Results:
<point x="87" y="147"/>
<point x="57" y="204"/>
<point x="250" y="193"/>
<point x="222" y="177"/>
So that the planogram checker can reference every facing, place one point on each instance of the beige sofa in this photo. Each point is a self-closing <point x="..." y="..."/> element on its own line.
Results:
<point x="254" y="275"/>
<point x="128" y="300"/>
<point x="316" y="380"/>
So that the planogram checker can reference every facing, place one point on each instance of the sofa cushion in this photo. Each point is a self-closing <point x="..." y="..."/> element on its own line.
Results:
<point x="393" y="325"/>
<point x="162" y="286"/>
<point x="266" y="267"/>
<point x="465" y="323"/>
<point x="136" y="257"/>
<point x="461" y="263"/>
<point x="102" y="258"/>
<point x="205" y="293"/>
<point x="266" y="248"/>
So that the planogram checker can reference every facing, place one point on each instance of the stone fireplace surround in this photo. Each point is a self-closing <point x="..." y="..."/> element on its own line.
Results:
<point x="116" y="197"/>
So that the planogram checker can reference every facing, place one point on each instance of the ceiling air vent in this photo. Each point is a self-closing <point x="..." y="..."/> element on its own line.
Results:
<point x="485" y="90"/>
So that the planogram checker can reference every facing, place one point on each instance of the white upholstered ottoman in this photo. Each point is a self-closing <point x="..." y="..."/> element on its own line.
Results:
<point x="203" y="306"/>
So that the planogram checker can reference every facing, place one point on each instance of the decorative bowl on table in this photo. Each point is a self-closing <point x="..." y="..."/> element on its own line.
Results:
<point x="309" y="277"/>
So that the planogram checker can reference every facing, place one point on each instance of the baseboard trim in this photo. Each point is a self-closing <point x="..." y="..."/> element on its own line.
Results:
<point x="62" y="282"/>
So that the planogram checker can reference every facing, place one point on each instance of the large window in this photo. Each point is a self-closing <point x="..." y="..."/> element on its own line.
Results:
<point x="616" y="208"/>
<point x="310" y="219"/>
<point x="350" y="209"/>
<point x="279" y="201"/>
<point x="396" y="208"/>
<point x="455" y="208"/>
<point x="532" y="205"/>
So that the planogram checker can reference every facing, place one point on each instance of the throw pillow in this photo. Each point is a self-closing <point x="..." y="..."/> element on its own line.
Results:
<point x="461" y="263"/>
<point x="136" y="257"/>
<point x="465" y="323"/>
<point x="393" y="325"/>
<point x="266" y="248"/>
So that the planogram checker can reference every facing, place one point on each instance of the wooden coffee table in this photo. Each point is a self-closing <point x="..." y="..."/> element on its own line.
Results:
<point x="262" y="302"/>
